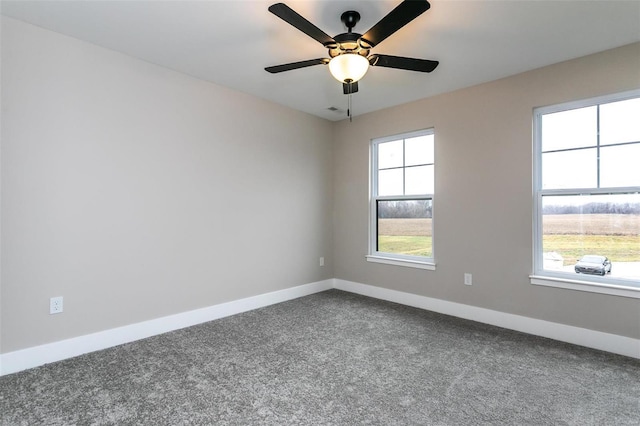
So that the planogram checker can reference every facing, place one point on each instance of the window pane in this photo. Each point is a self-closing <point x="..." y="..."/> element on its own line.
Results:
<point x="575" y="226"/>
<point x="418" y="150"/>
<point x="620" y="165"/>
<point x="570" y="129"/>
<point x="404" y="227"/>
<point x="620" y="122"/>
<point x="403" y="171"/>
<point x="570" y="169"/>
<point x="390" y="154"/>
<point x="390" y="182"/>
<point x="418" y="180"/>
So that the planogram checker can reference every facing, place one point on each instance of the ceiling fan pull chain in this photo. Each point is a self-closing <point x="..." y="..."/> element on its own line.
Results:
<point x="349" y="109"/>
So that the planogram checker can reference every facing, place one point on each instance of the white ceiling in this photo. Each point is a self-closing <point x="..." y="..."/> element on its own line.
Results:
<point x="230" y="42"/>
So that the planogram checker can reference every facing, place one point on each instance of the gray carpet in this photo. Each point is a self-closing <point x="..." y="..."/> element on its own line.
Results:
<point x="332" y="358"/>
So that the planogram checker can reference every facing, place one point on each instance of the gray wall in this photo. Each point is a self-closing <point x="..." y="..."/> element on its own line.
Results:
<point x="136" y="192"/>
<point x="483" y="205"/>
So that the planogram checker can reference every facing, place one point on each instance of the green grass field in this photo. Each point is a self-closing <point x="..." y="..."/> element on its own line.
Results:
<point x="616" y="236"/>
<point x="405" y="236"/>
<point x="572" y="236"/>
<point x="411" y="245"/>
<point x="618" y="248"/>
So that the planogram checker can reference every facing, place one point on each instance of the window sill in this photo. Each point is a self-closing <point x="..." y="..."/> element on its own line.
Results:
<point x="611" y="289"/>
<point x="402" y="262"/>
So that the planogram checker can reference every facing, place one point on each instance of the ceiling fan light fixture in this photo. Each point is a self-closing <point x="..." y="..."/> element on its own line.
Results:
<point x="348" y="67"/>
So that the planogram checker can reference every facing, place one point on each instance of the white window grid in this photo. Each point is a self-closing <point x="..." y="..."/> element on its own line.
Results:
<point x="375" y="198"/>
<point x="539" y="192"/>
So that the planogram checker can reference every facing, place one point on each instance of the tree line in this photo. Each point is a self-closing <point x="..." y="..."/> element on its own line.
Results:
<point x="593" y="208"/>
<point x="405" y="209"/>
<point x="420" y="209"/>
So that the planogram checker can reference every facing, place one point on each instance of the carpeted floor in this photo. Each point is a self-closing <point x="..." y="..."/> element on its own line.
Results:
<point x="332" y="358"/>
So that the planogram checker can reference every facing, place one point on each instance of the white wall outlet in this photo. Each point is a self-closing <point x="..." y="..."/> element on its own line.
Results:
<point x="468" y="279"/>
<point x="322" y="261"/>
<point x="55" y="305"/>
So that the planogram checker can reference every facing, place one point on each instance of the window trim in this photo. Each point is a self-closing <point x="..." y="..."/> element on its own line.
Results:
<point x="596" y="284"/>
<point x="420" y="262"/>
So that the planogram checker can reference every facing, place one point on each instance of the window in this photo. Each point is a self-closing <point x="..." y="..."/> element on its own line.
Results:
<point x="402" y="185"/>
<point x="587" y="195"/>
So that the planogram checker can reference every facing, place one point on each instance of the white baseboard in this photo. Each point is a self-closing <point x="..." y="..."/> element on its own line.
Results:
<point x="578" y="336"/>
<point x="12" y="362"/>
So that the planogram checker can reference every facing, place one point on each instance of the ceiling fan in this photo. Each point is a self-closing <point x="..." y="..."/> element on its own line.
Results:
<point x="349" y="53"/>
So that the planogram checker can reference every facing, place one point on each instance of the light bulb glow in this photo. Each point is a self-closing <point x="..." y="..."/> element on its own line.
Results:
<point x="348" y="67"/>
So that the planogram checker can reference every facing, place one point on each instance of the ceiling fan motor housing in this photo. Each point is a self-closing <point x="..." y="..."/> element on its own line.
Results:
<point x="348" y="43"/>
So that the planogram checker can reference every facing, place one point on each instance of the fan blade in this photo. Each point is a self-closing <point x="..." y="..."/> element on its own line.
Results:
<point x="411" y="64"/>
<point x="296" y="65"/>
<point x="348" y="88"/>
<point x="404" y="13"/>
<point x="292" y="17"/>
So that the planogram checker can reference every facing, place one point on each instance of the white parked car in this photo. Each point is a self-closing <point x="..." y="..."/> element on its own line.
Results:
<point x="593" y="264"/>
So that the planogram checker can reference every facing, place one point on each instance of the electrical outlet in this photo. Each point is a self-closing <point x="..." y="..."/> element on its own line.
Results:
<point x="322" y="261"/>
<point x="468" y="280"/>
<point x="55" y="305"/>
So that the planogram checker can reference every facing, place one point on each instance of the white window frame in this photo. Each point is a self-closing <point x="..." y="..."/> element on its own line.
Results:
<point x="540" y="276"/>
<point x="374" y="255"/>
